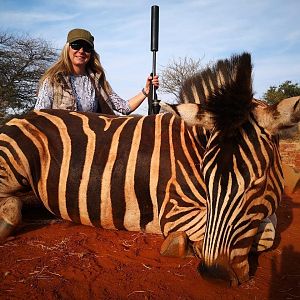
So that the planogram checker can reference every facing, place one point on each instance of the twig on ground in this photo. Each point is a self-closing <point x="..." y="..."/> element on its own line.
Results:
<point x="135" y="292"/>
<point x="147" y="267"/>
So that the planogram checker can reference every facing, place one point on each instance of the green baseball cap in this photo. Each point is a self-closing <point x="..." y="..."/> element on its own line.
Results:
<point x="80" y="34"/>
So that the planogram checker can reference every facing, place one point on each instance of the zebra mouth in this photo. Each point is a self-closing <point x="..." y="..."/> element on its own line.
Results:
<point x="219" y="274"/>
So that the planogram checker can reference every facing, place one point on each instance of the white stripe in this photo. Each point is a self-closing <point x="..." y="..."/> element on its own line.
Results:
<point x="105" y="197"/>
<point x="42" y="145"/>
<point x="154" y="226"/>
<point x="132" y="213"/>
<point x="64" y="168"/>
<point x="89" y="155"/>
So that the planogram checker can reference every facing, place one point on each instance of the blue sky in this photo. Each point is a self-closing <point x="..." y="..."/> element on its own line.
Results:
<point x="206" y="29"/>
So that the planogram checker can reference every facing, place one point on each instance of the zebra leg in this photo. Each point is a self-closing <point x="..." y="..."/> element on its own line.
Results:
<point x="176" y="245"/>
<point x="10" y="215"/>
<point x="265" y="236"/>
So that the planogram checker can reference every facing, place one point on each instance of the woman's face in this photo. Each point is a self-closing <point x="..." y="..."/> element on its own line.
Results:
<point x="80" y="53"/>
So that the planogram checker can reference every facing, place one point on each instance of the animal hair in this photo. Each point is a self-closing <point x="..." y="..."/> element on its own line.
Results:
<point x="224" y="90"/>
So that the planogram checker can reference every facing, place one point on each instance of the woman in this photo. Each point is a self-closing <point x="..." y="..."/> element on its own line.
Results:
<point x="77" y="81"/>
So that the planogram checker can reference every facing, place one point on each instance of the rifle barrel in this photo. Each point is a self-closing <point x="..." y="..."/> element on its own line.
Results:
<point x="154" y="27"/>
<point x="152" y="99"/>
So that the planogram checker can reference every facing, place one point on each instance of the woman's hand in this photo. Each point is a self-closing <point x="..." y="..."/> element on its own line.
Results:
<point x="136" y="101"/>
<point x="155" y="82"/>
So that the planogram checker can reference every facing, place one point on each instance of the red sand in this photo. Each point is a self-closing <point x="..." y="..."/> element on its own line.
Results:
<point x="56" y="259"/>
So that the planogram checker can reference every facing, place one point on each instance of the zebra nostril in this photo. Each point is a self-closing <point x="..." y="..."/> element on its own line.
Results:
<point x="218" y="274"/>
<point x="202" y="269"/>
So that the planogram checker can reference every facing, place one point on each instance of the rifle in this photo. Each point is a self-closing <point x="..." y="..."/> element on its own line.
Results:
<point x="153" y="102"/>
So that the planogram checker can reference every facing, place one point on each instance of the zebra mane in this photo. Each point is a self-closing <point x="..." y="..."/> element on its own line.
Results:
<point x="224" y="90"/>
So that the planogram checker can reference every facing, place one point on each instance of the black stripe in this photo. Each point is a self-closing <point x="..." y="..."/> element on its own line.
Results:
<point x="119" y="173"/>
<point x="102" y="145"/>
<point x="78" y="152"/>
<point x="28" y="148"/>
<point x="55" y="150"/>
<point x="165" y="164"/>
<point x="20" y="179"/>
<point x="180" y="156"/>
<point x="142" y="175"/>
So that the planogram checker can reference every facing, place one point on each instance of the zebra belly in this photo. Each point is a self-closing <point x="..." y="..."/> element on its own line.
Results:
<point x="92" y="201"/>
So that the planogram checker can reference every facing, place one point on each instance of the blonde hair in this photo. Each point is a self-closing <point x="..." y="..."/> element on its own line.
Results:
<point x="64" y="66"/>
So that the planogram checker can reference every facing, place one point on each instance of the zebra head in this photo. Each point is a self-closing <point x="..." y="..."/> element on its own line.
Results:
<point x="241" y="165"/>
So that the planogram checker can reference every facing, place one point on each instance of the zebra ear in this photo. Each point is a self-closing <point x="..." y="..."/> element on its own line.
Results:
<point x="280" y="116"/>
<point x="191" y="113"/>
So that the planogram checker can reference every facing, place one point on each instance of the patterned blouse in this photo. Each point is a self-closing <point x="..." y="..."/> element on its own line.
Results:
<point x="84" y="93"/>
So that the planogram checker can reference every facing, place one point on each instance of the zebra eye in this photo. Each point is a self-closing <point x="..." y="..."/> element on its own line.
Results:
<point x="25" y="182"/>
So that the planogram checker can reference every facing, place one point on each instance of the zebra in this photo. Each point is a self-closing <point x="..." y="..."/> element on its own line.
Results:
<point x="155" y="174"/>
<point x="241" y="165"/>
<point x="137" y="173"/>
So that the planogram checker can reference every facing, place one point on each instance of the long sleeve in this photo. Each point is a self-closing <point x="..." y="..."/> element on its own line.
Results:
<point x="45" y="96"/>
<point x="119" y="104"/>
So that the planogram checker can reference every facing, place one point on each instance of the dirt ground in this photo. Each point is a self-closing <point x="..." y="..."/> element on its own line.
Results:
<point x="54" y="259"/>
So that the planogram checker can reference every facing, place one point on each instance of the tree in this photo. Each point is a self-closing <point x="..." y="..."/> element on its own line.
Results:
<point x="284" y="90"/>
<point x="176" y="72"/>
<point x="23" y="60"/>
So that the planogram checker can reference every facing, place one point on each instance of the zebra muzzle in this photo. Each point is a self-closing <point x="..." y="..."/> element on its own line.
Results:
<point x="219" y="274"/>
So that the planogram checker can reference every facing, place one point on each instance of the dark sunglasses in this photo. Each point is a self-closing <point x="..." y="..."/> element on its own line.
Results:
<point x="85" y="46"/>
